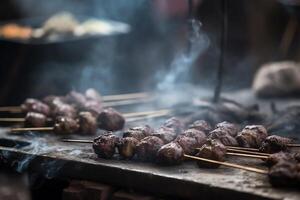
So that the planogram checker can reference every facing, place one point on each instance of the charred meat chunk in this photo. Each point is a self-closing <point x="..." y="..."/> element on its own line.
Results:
<point x="170" y="154"/>
<point x="34" y="105"/>
<point x="127" y="147"/>
<point x="274" y="144"/>
<point x="65" y="125"/>
<point x="87" y="123"/>
<point x="297" y="157"/>
<point x="198" y="135"/>
<point x="110" y="120"/>
<point x="92" y="95"/>
<point x="223" y="136"/>
<point x="275" y="158"/>
<point x="138" y="132"/>
<point x="60" y="108"/>
<point x="92" y="106"/>
<point x="285" y="174"/>
<point x="231" y="128"/>
<point x="252" y="136"/>
<point x="213" y="150"/>
<point x="175" y="124"/>
<point x="33" y="119"/>
<point x="147" y="148"/>
<point x="201" y="125"/>
<point x="76" y="99"/>
<point x="105" y="145"/>
<point x="166" y="134"/>
<point x="187" y="143"/>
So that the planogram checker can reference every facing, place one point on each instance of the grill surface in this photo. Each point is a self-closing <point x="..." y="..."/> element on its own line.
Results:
<point x="46" y="154"/>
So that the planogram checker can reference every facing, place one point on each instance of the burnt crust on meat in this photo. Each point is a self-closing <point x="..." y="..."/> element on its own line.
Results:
<point x="200" y="136"/>
<point x="175" y="124"/>
<point x="66" y="125"/>
<point x="127" y="147"/>
<point x="170" y="154"/>
<point x="88" y="123"/>
<point x="139" y="132"/>
<point x="188" y="144"/>
<point x="223" y="136"/>
<point x="166" y="134"/>
<point x="105" y="145"/>
<point x="274" y="144"/>
<point x="33" y="119"/>
<point x="213" y="150"/>
<point x="285" y="174"/>
<point x="147" y="148"/>
<point x="35" y="105"/>
<point x="252" y="136"/>
<point x="111" y="120"/>
<point x="201" y="125"/>
<point x="231" y="128"/>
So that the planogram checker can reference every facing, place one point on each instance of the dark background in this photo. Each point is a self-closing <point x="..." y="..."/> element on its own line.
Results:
<point x="130" y="63"/>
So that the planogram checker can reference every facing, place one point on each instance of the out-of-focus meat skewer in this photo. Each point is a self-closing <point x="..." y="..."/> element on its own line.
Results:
<point x="110" y="100"/>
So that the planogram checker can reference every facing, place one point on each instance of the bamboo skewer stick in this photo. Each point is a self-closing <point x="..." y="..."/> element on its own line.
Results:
<point x="12" y="119"/>
<point x="126" y="102"/>
<point x="32" y="129"/>
<point x="77" y="141"/>
<point x="128" y="96"/>
<point x="227" y="164"/>
<point x="145" y="113"/>
<point x="242" y="148"/>
<point x="245" y="152"/>
<point x="293" y="145"/>
<point x="13" y="109"/>
<point x="247" y="155"/>
<point x="248" y="152"/>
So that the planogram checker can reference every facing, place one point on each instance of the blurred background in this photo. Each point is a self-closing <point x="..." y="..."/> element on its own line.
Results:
<point x="259" y="31"/>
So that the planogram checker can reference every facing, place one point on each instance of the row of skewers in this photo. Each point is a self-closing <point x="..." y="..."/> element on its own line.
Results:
<point x="171" y="144"/>
<point x="77" y="113"/>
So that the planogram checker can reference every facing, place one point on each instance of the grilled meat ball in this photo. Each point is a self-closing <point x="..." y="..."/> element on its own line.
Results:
<point x="65" y="125"/>
<point x="147" y="148"/>
<point x="285" y="174"/>
<point x="127" y="147"/>
<point x="198" y="135"/>
<point x="274" y="144"/>
<point x="111" y="120"/>
<point x="87" y="123"/>
<point x="34" y="105"/>
<point x="231" y="128"/>
<point x="105" y="145"/>
<point x="166" y="134"/>
<point x="201" y="125"/>
<point x="92" y="106"/>
<point x="138" y="132"/>
<point x="187" y="143"/>
<point x="60" y="108"/>
<point x="170" y="154"/>
<point x="275" y="158"/>
<point x="76" y="99"/>
<point x="33" y="119"/>
<point x="252" y="136"/>
<point x="213" y="150"/>
<point x="297" y="157"/>
<point x="223" y="136"/>
<point x="92" y="95"/>
<point x="175" y="124"/>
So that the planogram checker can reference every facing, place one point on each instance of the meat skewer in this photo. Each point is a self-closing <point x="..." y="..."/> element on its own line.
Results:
<point x="111" y="100"/>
